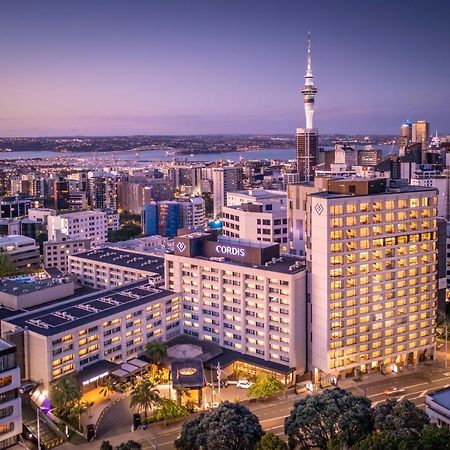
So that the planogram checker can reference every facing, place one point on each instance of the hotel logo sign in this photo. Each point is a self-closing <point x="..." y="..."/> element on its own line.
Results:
<point x="181" y="246"/>
<point x="318" y="208"/>
<point x="228" y="250"/>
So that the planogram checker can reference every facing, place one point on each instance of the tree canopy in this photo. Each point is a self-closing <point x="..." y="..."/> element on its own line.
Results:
<point x="265" y="386"/>
<point x="231" y="426"/>
<point x="7" y="267"/>
<point x="156" y="351"/>
<point x="144" y="396"/>
<point x="271" y="442"/>
<point x="402" y="418"/>
<point x="65" y="394"/>
<point x="332" y="416"/>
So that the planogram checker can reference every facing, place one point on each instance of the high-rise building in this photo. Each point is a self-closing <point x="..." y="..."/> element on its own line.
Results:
<point x="307" y="139"/>
<point x="421" y="133"/>
<point x="224" y="179"/>
<point x="103" y="188"/>
<point x="193" y="213"/>
<point x="405" y="137"/>
<point x="162" y="218"/>
<point x="372" y="261"/>
<point x="61" y="192"/>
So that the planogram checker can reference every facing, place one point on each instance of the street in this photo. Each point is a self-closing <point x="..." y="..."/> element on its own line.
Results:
<point x="429" y="377"/>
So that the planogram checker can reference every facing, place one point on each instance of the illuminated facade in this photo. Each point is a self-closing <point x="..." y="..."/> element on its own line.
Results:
<point x="372" y="261"/>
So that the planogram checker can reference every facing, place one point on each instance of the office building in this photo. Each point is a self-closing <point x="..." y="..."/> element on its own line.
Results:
<point x="9" y="226"/>
<point x="224" y="179"/>
<point x="243" y="296"/>
<point x="369" y="157"/>
<point x="105" y="267"/>
<point x="162" y="218"/>
<point x="13" y="207"/>
<point x="79" y="225"/>
<point x="421" y="134"/>
<point x="405" y="137"/>
<point x="11" y="405"/>
<point x="56" y="253"/>
<point x="61" y="192"/>
<point x="91" y="331"/>
<point x="372" y="262"/>
<point x="41" y="214"/>
<point x="22" y="251"/>
<point x="103" y="190"/>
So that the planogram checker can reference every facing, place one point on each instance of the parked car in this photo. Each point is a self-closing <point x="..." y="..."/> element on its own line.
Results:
<point x="243" y="384"/>
<point x="394" y="391"/>
<point x="215" y="384"/>
<point x="27" y="388"/>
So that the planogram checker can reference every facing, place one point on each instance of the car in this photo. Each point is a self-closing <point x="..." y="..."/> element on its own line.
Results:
<point x="243" y="384"/>
<point x="27" y="388"/>
<point x="394" y="391"/>
<point x="215" y="384"/>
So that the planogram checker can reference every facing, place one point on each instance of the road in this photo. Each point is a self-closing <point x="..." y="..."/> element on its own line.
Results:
<point x="416" y="384"/>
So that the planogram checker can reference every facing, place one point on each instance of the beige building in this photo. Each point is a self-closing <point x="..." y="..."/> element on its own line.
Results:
<point x="22" y="251"/>
<point x="109" y="266"/>
<point x="91" y="225"/>
<point x="56" y="253"/>
<point x="372" y="268"/>
<point x="89" y="331"/>
<point x="244" y="297"/>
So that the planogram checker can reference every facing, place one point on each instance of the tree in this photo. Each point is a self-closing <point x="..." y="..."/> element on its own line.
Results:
<point x="156" y="352"/>
<point x="434" y="437"/>
<point x="7" y="267"/>
<point x="65" y="394"/>
<point x="125" y="233"/>
<point x="170" y="410"/>
<point x="380" y="440"/>
<point x="265" y="386"/>
<point x="400" y="418"/>
<point x="271" y="442"/>
<point x="106" y="446"/>
<point x="144" y="396"/>
<point x="334" y="415"/>
<point x="231" y="426"/>
<point x="129" y="445"/>
<point x="108" y="387"/>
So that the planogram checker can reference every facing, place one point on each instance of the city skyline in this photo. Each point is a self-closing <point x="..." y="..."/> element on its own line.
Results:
<point x="111" y="69"/>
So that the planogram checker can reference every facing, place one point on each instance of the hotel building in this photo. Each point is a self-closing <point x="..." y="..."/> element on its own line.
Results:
<point x="243" y="296"/>
<point x="372" y="269"/>
<point x="92" y="330"/>
<point x="10" y="404"/>
<point x="107" y="267"/>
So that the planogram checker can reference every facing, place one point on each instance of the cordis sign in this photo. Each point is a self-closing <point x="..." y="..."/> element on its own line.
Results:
<point x="228" y="250"/>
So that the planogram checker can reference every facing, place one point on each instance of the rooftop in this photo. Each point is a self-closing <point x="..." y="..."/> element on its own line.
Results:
<point x="25" y="285"/>
<point x="80" y="311"/>
<point x="14" y="239"/>
<point x="125" y="258"/>
<point x="259" y="194"/>
<point x="442" y="397"/>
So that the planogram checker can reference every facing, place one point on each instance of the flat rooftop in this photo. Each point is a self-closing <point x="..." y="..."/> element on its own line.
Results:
<point x="25" y="285"/>
<point x="119" y="257"/>
<point x="84" y="310"/>
<point x="405" y="189"/>
<point x="442" y="397"/>
<point x="260" y="193"/>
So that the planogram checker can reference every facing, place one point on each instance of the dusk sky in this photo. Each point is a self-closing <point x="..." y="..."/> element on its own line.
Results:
<point x="106" y="67"/>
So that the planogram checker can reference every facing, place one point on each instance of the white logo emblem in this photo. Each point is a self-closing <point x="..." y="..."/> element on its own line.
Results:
<point x="181" y="246"/>
<point x="318" y="208"/>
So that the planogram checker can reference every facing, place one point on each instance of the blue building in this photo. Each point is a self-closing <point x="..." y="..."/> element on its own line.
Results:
<point x="163" y="218"/>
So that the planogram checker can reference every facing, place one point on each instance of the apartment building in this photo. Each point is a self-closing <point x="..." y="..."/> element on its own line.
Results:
<point x="79" y="225"/>
<point x="193" y="212"/>
<point x="87" y="332"/>
<point x="56" y="253"/>
<point x="244" y="297"/>
<point x="372" y="265"/>
<point x="224" y="179"/>
<point x="10" y="403"/>
<point x="22" y="251"/>
<point x="109" y="266"/>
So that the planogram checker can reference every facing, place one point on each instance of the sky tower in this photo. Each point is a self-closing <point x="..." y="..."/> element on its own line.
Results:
<point x="307" y="139"/>
<point x="309" y="90"/>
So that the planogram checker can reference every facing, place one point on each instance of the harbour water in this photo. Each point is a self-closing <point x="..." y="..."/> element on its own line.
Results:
<point x="160" y="155"/>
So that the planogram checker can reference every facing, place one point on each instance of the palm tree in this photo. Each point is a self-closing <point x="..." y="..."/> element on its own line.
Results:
<point x="144" y="396"/>
<point x="156" y="351"/>
<point x="108" y="387"/>
<point x="65" y="393"/>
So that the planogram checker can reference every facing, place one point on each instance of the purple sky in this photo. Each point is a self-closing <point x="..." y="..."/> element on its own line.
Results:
<point x="214" y="66"/>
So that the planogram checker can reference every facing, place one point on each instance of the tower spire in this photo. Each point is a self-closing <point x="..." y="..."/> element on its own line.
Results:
<point x="309" y="90"/>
